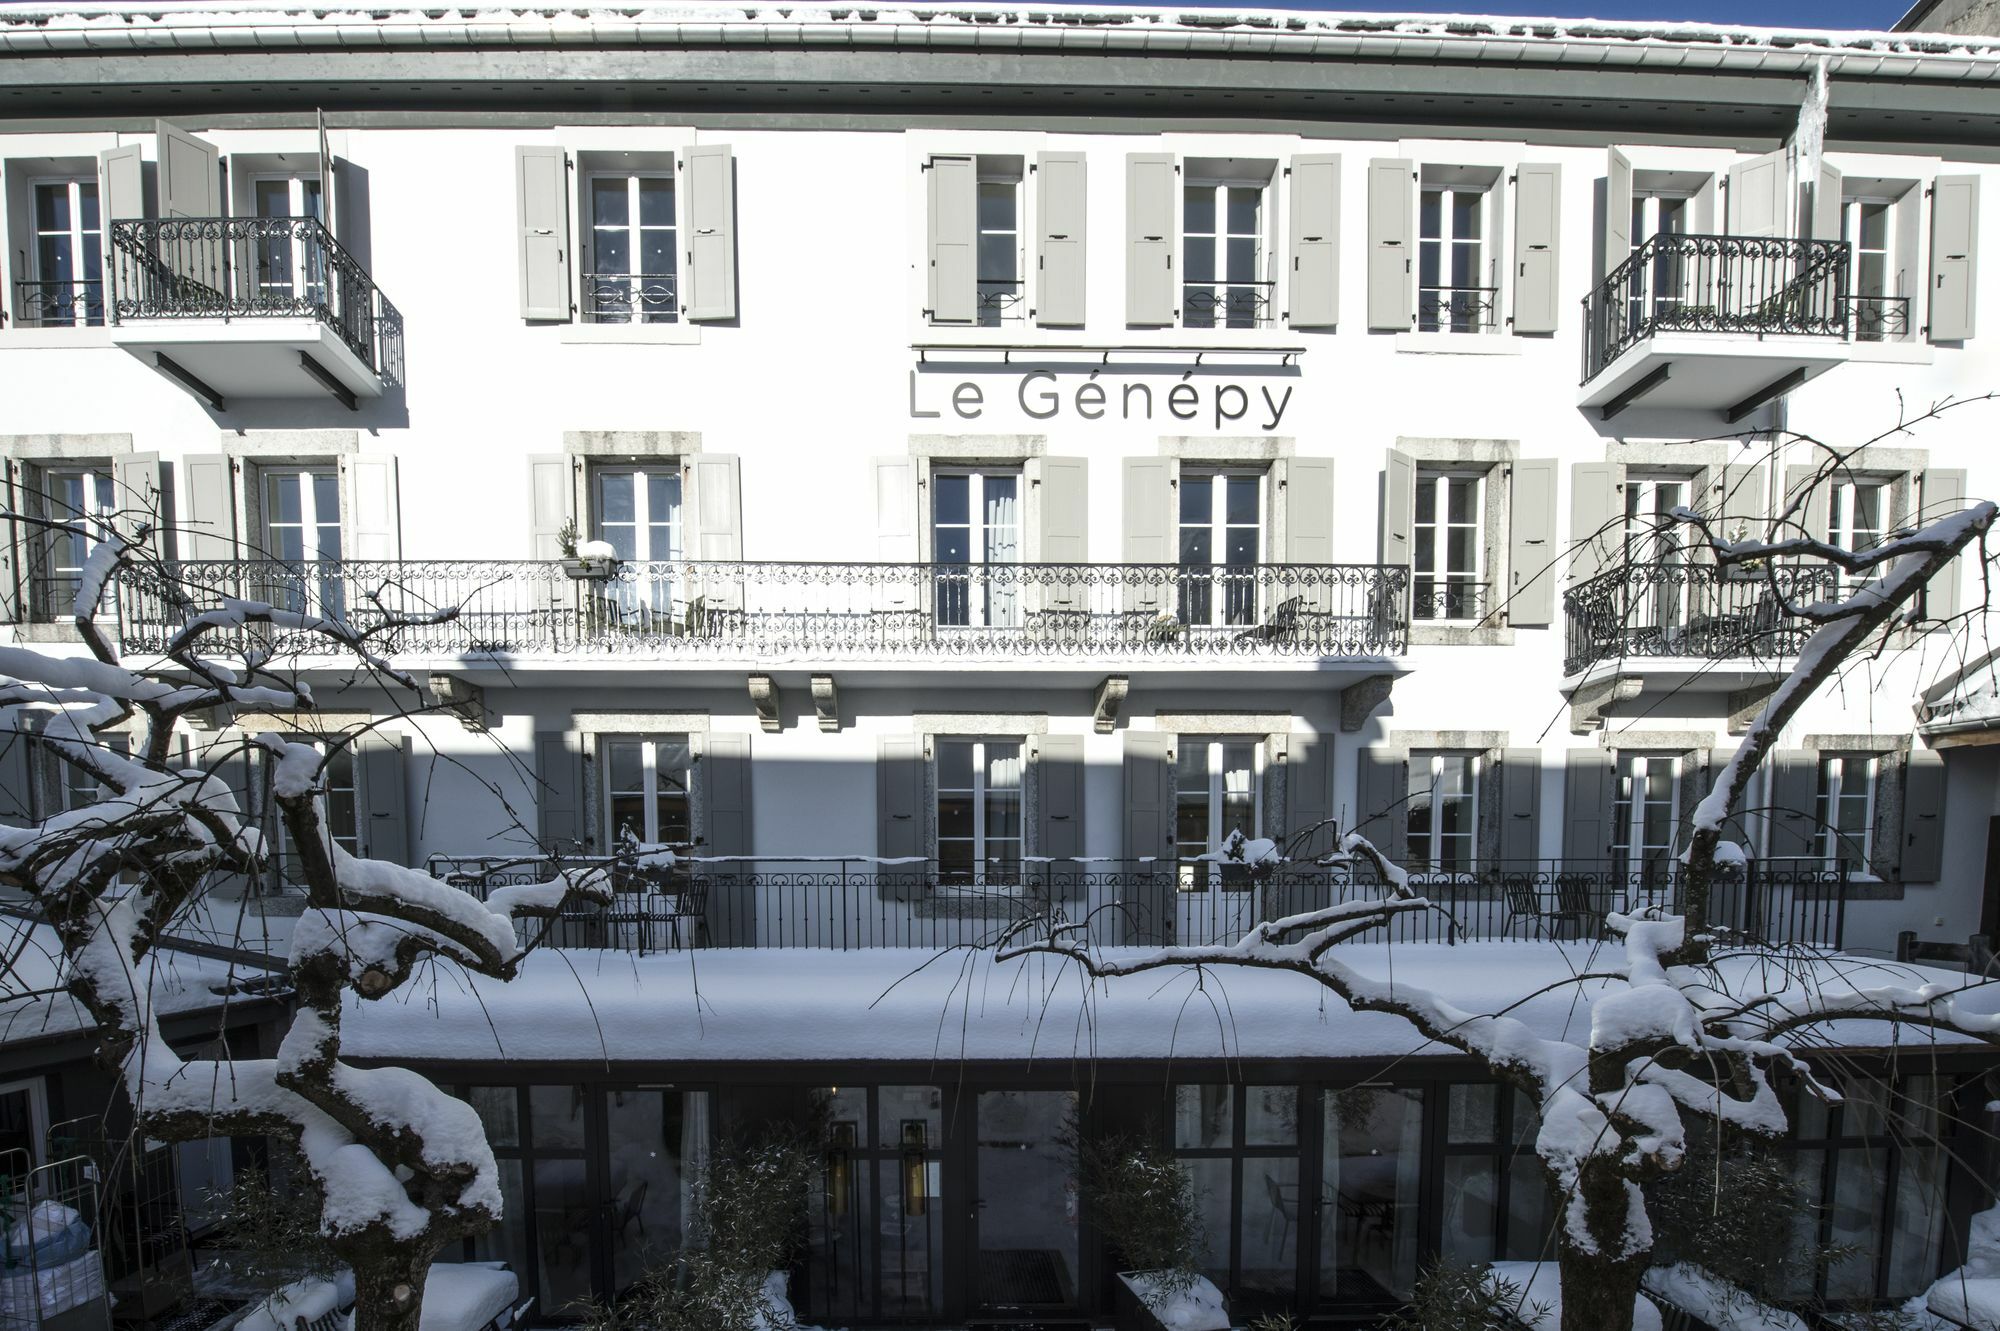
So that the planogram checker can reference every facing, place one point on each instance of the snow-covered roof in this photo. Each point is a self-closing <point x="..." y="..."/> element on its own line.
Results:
<point x="798" y="1005"/>
<point x="1965" y="701"/>
<point x="247" y="25"/>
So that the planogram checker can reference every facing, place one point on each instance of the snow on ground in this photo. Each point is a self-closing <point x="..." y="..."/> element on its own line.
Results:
<point x="892" y="1004"/>
<point x="1541" y="1297"/>
<point x="31" y="966"/>
<point x="1715" y="1302"/>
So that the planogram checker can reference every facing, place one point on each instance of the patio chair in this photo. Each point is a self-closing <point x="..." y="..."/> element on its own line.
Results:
<point x="1280" y="627"/>
<point x="1572" y="903"/>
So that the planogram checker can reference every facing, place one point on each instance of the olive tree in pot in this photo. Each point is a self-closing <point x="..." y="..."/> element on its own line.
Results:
<point x="1143" y="1200"/>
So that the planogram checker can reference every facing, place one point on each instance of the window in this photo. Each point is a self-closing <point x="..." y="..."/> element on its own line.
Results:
<point x="1645" y="807"/>
<point x="24" y="1120"/>
<point x="302" y="529"/>
<point x="1881" y="308"/>
<point x="1656" y="288"/>
<point x="979" y="816"/>
<point x="1221" y="531"/>
<point x="1224" y="279"/>
<point x="648" y="783"/>
<point x="290" y="265"/>
<point x="638" y="511"/>
<point x="1857" y="513"/>
<point x="875" y="1240"/>
<point x="631" y="269"/>
<point x="1002" y="288"/>
<point x="87" y="498"/>
<point x="1215" y="793"/>
<point x="65" y="281"/>
<point x="1447" y="582"/>
<point x="1243" y="1142"/>
<point x="1443" y="811"/>
<point x="341" y="805"/>
<point x="1652" y="541"/>
<point x="1496" y="1200"/>
<point x="975" y="536"/>
<point x="1454" y="293"/>
<point x="79" y="788"/>
<point x="1844" y="808"/>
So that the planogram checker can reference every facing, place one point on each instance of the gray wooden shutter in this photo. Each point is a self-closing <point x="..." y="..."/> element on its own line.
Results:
<point x="718" y="524"/>
<point x="1391" y="244"/>
<point x="11" y="536"/>
<point x="1149" y="836"/>
<point x="1617" y="232"/>
<point x="899" y="815"/>
<point x="725" y="795"/>
<point x="1954" y="257"/>
<point x="1065" y="516"/>
<point x="896" y="519"/>
<point x="190" y="173"/>
<point x="1759" y="203"/>
<point x="1794" y="830"/>
<point x="1923" y="817"/>
<point x="374" y="518"/>
<point x="541" y="176"/>
<point x="559" y="804"/>
<point x="121" y="195"/>
<point x="1586" y="806"/>
<point x="1315" y="289"/>
<point x="551" y="503"/>
<point x="1531" y="544"/>
<point x="1944" y="494"/>
<point x="141" y="493"/>
<point x="1537" y="231"/>
<point x="1399" y="507"/>
<point x="1149" y="530"/>
<point x="1059" y="801"/>
<point x="1826" y="203"/>
<point x="1061" y="211"/>
<point x="207" y="497"/>
<point x="1382" y="799"/>
<point x="952" y="203"/>
<point x="385" y="824"/>
<point x="17" y="804"/>
<point x="1742" y="501"/>
<point x="1804" y="478"/>
<point x="1596" y="517"/>
<point x="1520" y="838"/>
<point x="1309" y="530"/>
<point x="1152" y="234"/>
<point x="708" y="183"/>
<point x="1309" y="795"/>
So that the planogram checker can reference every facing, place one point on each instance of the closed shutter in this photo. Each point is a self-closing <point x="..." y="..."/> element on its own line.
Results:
<point x="559" y="803"/>
<point x="10" y="545"/>
<point x="17" y="804"/>
<point x="1065" y="513"/>
<point x="1382" y="799"/>
<point x="725" y="795"/>
<point x="1794" y="831"/>
<point x="1944" y="495"/>
<point x="207" y="495"/>
<point x="1826" y="203"/>
<point x="1061" y="209"/>
<point x="1596" y="517"/>
<point x="896" y="519"/>
<point x="708" y="182"/>
<point x="1758" y="203"/>
<point x="1149" y="836"/>
<point x="1309" y="797"/>
<point x="141" y="494"/>
<point x="374" y="516"/>
<point x="1805" y="479"/>
<point x="1954" y="257"/>
<point x="1152" y="234"/>
<point x="1149" y="531"/>
<point x="1743" y="502"/>
<point x="1531" y="544"/>
<point x="952" y="203"/>
<point x="1391" y="244"/>
<point x="1923" y="817"/>
<point x="718" y="525"/>
<point x="1399" y="501"/>
<point x="1617" y="233"/>
<point x="899" y="815"/>
<point x="190" y="173"/>
<point x="1059" y="797"/>
<point x="1520" y="839"/>
<point x="1587" y="827"/>
<point x="541" y="179"/>
<point x="385" y="822"/>
<point x="1315" y="289"/>
<point x="1309" y="532"/>
<point x="1537" y="229"/>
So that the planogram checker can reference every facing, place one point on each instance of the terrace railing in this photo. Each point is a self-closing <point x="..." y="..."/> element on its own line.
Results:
<point x="1688" y="609"/>
<point x="730" y="610"/>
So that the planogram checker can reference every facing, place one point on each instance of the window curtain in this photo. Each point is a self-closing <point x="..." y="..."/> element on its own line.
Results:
<point x="1003" y="546"/>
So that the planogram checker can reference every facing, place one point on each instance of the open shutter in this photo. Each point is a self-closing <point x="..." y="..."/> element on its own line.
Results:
<point x="373" y="511"/>
<point x="1923" y="817"/>
<point x="718" y="524"/>
<point x="141" y="495"/>
<point x="1399" y="503"/>
<point x="1520" y="839"/>
<point x="1794" y="833"/>
<point x="708" y="180"/>
<point x="952" y="194"/>
<point x="1391" y="244"/>
<point x="1061" y="209"/>
<point x="1309" y="796"/>
<point x="121" y="195"/>
<point x="541" y="175"/>
<point x="17" y="805"/>
<point x="1059" y="795"/>
<point x="1742" y="501"/>
<point x="1149" y="836"/>
<point x="1064" y="491"/>
<point x="1531" y="544"/>
<point x="1954" y="268"/>
<point x="896" y="519"/>
<point x="1309" y="530"/>
<point x="1149" y="530"/>
<point x="1315" y="291"/>
<point x="1537" y="228"/>
<point x="190" y="173"/>
<point x="1617" y="232"/>
<point x="11" y="534"/>
<point x="559" y="804"/>
<point x="1596" y="516"/>
<point x="899" y="815"/>
<point x="1382" y="799"/>
<point x="1944" y="494"/>
<point x="725" y="794"/>
<point x="207" y="495"/>
<point x="1758" y="204"/>
<point x="550" y="504"/>
<point x="1803" y="478"/>
<point x="1152" y="234"/>
<point x="385" y="824"/>
<point x="1586" y="807"/>
<point x="1826" y="203"/>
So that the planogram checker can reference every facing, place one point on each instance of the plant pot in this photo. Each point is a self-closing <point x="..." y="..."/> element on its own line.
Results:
<point x="582" y="570"/>
<point x="1198" y="1308"/>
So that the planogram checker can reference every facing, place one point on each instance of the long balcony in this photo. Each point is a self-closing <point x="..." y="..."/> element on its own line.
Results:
<point x="1723" y="323"/>
<point x="252" y="307"/>
<point x="774" y="612"/>
<point x="1689" y="613"/>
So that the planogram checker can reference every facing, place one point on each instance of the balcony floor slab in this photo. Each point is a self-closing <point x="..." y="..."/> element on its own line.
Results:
<point x="1709" y="371"/>
<point x="250" y="358"/>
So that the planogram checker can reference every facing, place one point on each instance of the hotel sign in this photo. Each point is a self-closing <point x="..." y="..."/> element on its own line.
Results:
<point x="1042" y="395"/>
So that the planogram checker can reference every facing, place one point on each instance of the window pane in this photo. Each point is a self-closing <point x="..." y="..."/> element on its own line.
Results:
<point x="1271" y="1116"/>
<point x="1242" y="255"/>
<point x="616" y="493"/>
<point x="1373" y="1147"/>
<point x="656" y="201"/>
<point x="996" y="258"/>
<point x="952" y="498"/>
<point x="1463" y="499"/>
<point x="562" y="1228"/>
<point x="499" y="1111"/>
<point x="555" y="1117"/>
<point x="625" y="762"/>
<point x="996" y="205"/>
<point x="1196" y="546"/>
<point x="1430" y="215"/>
<point x="1246" y="205"/>
<point x="1241" y="501"/>
<point x="1465" y="211"/>
<point x="1874" y="226"/>
<point x="1203" y="1117"/>
<point x="656" y="1140"/>
<point x="1471" y="1208"/>
<point x="1212" y="1188"/>
<point x="1270" y="1225"/>
<point x="614" y="252"/>
<point x="954" y="760"/>
<point x="1530" y="1237"/>
<point x="1858" y="1187"/>
<point x="1200" y="259"/>
<point x="609" y="204"/>
<point x="954" y="813"/>
<point x="1198" y="210"/>
<point x="507" y="1241"/>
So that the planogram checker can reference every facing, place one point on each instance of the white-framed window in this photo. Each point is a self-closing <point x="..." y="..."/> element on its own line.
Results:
<point x="341" y="803"/>
<point x="1217" y="791"/>
<point x="1653" y="541"/>
<point x="66" y="273"/>
<point x="975" y="537"/>
<point x="648" y="788"/>
<point x="1002" y="281"/>
<point x="1880" y="305"/>
<point x="1443" y="811"/>
<point x="1645" y="814"/>
<point x="78" y="788"/>
<point x="1221" y="544"/>
<point x="1456" y="292"/>
<point x="1844" y="808"/>
<point x="1657" y="286"/>
<point x="979" y="811"/>
<point x="302" y="530"/>
<point x="86" y="497"/>
<point x="632" y="262"/>
<point x="1225" y="277"/>
<point x="637" y="510"/>
<point x="24" y="1122"/>
<point x="1857" y="514"/>
<point x="1447" y="575"/>
<point x="289" y="267"/>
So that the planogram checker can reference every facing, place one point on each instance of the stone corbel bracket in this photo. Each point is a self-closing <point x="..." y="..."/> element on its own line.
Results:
<point x="764" y="697"/>
<point x="1590" y="701"/>
<point x="464" y="700"/>
<point x="826" y="702"/>
<point x="1110" y="697"/>
<point x="1359" y="700"/>
<point x="1746" y="704"/>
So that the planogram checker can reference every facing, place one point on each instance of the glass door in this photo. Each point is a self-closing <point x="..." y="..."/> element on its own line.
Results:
<point x="875" y="1243"/>
<point x="1025" y="1247"/>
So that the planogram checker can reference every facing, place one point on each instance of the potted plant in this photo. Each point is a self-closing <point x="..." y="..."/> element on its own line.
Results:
<point x="1143" y="1199"/>
<point x="1164" y="627"/>
<point x="585" y="559"/>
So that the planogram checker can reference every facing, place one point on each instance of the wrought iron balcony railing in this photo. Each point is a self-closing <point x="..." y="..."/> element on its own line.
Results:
<point x="703" y="609"/>
<point x="1002" y="300"/>
<point x="1226" y="304"/>
<point x="1443" y="599"/>
<point x="624" y="298"/>
<point x="1880" y="318"/>
<point x="1684" y="608"/>
<point x="252" y="268"/>
<point x="1744" y="286"/>
<point x="848" y="904"/>
<point x="1457" y="309"/>
<point x="59" y="304"/>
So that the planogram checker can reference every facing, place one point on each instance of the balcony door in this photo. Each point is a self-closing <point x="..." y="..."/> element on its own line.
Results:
<point x="1025" y="1213"/>
<point x="637" y="511"/>
<point x="1658" y="287"/>
<point x="1221" y="543"/>
<point x="65" y="284"/>
<point x="1645" y="818"/>
<point x="290" y="263"/>
<point x="632" y="272"/>
<point x="302" y="532"/>
<point x="1654" y="551"/>
<point x="648" y="790"/>
<point x="86" y="498"/>
<point x="1216" y="791"/>
<point x="975" y="548"/>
